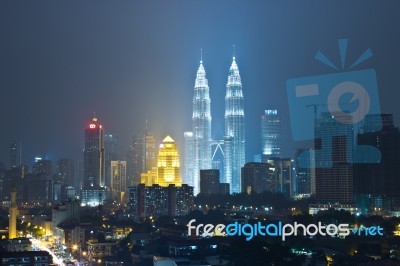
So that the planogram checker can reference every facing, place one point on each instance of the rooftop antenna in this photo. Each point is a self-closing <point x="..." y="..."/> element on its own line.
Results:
<point x="233" y="51"/>
<point x="201" y="55"/>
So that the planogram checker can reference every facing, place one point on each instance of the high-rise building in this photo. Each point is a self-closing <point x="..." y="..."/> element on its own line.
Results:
<point x="188" y="160"/>
<point x="42" y="167"/>
<point x="168" y="164"/>
<point x="139" y="157"/>
<point x="110" y="154"/>
<point x="65" y="171"/>
<point x="234" y="128"/>
<point x="151" y="153"/>
<point x="156" y="200"/>
<point x="333" y="151"/>
<point x="118" y="180"/>
<point x="258" y="177"/>
<point x="271" y="133"/>
<point x="305" y="172"/>
<point x="93" y="155"/>
<point x="209" y="182"/>
<point x="13" y="212"/>
<point x="201" y="126"/>
<point x="376" y="184"/>
<point x="15" y="153"/>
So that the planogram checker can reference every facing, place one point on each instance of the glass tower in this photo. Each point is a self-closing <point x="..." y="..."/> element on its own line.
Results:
<point x="201" y="120"/>
<point x="234" y="129"/>
<point x="93" y="156"/>
<point x="271" y="133"/>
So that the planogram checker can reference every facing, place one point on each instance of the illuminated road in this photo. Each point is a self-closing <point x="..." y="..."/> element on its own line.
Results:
<point x="42" y="246"/>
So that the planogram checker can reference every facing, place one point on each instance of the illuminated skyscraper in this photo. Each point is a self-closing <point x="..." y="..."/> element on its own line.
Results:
<point x="13" y="213"/>
<point x="151" y="154"/>
<point x="111" y="154"/>
<point x="168" y="164"/>
<point x="271" y="133"/>
<point x="118" y="180"/>
<point x="234" y="129"/>
<point x="201" y="120"/>
<point x="93" y="156"/>
<point x="188" y="164"/>
<point x="139" y="157"/>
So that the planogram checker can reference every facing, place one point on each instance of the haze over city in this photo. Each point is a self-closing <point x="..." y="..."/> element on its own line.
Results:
<point x="127" y="61"/>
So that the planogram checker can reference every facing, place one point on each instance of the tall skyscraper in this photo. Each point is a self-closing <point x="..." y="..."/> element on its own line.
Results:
<point x="271" y="133"/>
<point x="15" y="153"/>
<point x="376" y="185"/>
<point x="334" y="146"/>
<point x="188" y="160"/>
<point x="201" y="120"/>
<point x="93" y="155"/>
<point x="42" y="167"/>
<point x="13" y="213"/>
<point x="65" y="171"/>
<point x="151" y="153"/>
<point x="111" y="154"/>
<point x="168" y="164"/>
<point x="234" y="128"/>
<point x="139" y="157"/>
<point x="118" y="180"/>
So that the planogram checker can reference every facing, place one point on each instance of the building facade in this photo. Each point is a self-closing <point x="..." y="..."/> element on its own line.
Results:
<point x="201" y="126"/>
<point x="118" y="181"/>
<point x="271" y="133"/>
<point x="93" y="156"/>
<point x="234" y="128"/>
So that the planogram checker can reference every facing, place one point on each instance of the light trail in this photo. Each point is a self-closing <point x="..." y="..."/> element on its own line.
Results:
<point x="39" y="245"/>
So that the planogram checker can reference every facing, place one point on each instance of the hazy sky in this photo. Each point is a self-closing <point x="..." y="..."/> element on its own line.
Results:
<point x="60" y="61"/>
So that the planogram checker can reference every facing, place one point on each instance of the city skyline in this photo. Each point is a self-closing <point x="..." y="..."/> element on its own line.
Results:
<point x="113" y="73"/>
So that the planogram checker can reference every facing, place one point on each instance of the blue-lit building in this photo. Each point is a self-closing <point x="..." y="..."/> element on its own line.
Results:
<point x="271" y="133"/>
<point x="201" y="127"/>
<point x="234" y="129"/>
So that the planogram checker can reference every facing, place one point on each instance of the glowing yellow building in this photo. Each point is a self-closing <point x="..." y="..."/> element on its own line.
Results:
<point x="168" y="164"/>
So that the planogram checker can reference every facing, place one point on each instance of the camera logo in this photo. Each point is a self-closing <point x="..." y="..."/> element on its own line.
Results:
<point x="340" y="101"/>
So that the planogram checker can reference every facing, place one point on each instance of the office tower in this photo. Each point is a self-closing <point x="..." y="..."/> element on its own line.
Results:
<point x="209" y="182"/>
<point x="334" y="150"/>
<point x="234" y="127"/>
<point x="129" y="166"/>
<point x="118" y="180"/>
<point x="42" y="167"/>
<point x="156" y="200"/>
<point x="305" y="172"/>
<point x="111" y="154"/>
<point x="188" y="159"/>
<point x="201" y="126"/>
<point x="271" y="133"/>
<point x="15" y="153"/>
<point x="65" y="171"/>
<point x="284" y="175"/>
<point x="151" y="153"/>
<point x="93" y="155"/>
<point x="168" y="164"/>
<point x="13" y="212"/>
<point x="376" y="185"/>
<point x="139" y="157"/>
<point x="258" y="177"/>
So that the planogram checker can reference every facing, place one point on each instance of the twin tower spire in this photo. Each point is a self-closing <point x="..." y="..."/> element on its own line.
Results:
<point x="234" y="139"/>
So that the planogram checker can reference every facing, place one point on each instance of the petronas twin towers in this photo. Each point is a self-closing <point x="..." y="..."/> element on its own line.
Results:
<point x="234" y="139"/>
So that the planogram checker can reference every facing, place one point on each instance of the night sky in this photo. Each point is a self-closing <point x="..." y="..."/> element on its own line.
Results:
<point x="60" y="61"/>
